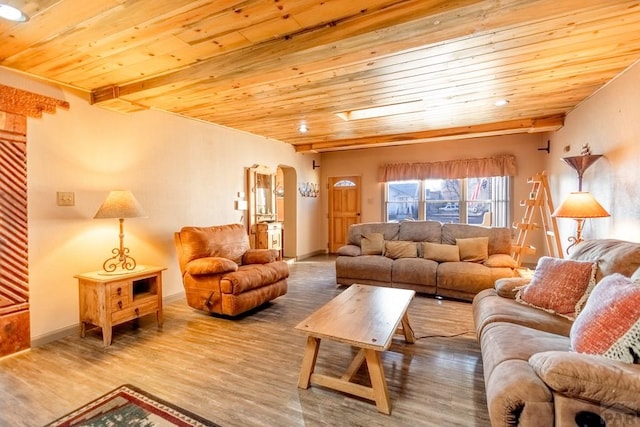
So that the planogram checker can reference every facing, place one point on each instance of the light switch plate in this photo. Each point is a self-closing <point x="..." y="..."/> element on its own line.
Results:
<point x="66" y="198"/>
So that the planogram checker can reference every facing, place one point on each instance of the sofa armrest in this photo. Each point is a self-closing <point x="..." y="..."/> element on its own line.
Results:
<point x="350" y="250"/>
<point x="508" y="287"/>
<point x="260" y="256"/>
<point x="589" y="377"/>
<point x="210" y="265"/>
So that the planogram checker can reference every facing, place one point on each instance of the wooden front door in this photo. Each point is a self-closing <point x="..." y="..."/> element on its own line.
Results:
<point x="344" y="209"/>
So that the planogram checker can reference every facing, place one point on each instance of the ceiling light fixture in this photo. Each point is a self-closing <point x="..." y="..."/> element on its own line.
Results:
<point x="12" y="13"/>
<point x="303" y="128"/>
<point x="383" y="111"/>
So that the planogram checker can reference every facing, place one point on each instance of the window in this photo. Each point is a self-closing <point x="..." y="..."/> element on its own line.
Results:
<point x="464" y="201"/>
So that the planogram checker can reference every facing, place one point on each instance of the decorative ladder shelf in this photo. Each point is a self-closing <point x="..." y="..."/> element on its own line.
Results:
<point x="539" y="200"/>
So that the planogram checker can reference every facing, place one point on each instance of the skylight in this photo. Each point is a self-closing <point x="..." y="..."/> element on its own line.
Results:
<point x="383" y="111"/>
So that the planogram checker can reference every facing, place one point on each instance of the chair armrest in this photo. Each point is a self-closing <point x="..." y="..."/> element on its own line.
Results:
<point x="260" y="256"/>
<point x="589" y="377"/>
<point x="508" y="287"/>
<point x="210" y="265"/>
<point x="350" y="250"/>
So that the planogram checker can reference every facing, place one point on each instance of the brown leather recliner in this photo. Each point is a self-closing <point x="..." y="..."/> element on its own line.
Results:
<point x="222" y="274"/>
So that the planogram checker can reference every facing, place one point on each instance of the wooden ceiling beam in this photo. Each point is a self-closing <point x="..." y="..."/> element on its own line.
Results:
<point x="535" y="125"/>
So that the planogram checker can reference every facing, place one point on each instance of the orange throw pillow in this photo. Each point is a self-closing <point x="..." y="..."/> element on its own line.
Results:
<point x="559" y="286"/>
<point x="609" y="325"/>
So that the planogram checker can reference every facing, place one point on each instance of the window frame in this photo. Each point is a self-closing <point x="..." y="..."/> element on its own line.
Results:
<point x="497" y="202"/>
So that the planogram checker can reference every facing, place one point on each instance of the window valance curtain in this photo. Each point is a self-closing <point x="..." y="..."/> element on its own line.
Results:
<point x="504" y="165"/>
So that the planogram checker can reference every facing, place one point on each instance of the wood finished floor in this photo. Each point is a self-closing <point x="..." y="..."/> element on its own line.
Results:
<point x="244" y="372"/>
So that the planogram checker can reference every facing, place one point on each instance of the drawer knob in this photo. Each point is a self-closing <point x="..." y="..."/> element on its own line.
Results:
<point x="120" y="305"/>
<point x="119" y="291"/>
<point x="137" y="310"/>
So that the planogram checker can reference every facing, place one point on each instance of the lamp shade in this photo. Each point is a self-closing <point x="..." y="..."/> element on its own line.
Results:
<point x="120" y="204"/>
<point x="580" y="204"/>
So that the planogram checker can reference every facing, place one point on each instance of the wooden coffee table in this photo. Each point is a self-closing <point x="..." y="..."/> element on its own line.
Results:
<point x="366" y="317"/>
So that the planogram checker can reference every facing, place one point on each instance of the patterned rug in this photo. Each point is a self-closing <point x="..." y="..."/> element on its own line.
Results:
<point x="130" y="406"/>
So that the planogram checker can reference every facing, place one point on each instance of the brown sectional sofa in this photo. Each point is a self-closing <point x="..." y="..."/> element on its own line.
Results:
<point x="532" y="378"/>
<point x="461" y="279"/>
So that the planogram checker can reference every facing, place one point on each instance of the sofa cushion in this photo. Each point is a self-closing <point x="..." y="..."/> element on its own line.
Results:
<point x="372" y="244"/>
<point x="414" y="271"/>
<point x="260" y="256"/>
<point x="210" y="265"/>
<point x="388" y="229"/>
<point x="489" y="307"/>
<point x="500" y="260"/>
<point x="226" y="241"/>
<point x="420" y="231"/>
<point x="253" y="276"/>
<point x="613" y="256"/>
<point x="475" y="249"/>
<point x="499" y="237"/>
<point x="559" y="286"/>
<point x="364" y="269"/>
<point x="609" y="325"/>
<point x="349" y="250"/>
<point x="440" y="253"/>
<point x="400" y="249"/>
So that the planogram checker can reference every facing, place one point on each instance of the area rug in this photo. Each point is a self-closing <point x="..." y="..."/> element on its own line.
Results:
<point x="129" y="406"/>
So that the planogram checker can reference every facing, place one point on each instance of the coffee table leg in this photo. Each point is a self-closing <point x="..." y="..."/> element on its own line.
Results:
<point x="378" y="381"/>
<point x="308" y="362"/>
<point x="406" y="329"/>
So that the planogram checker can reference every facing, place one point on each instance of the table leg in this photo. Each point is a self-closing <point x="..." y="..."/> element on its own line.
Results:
<point x="308" y="362"/>
<point x="378" y="381"/>
<point x="406" y="329"/>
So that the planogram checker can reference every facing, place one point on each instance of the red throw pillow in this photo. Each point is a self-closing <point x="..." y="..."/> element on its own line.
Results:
<point x="559" y="286"/>
<point x="609" y="324"/>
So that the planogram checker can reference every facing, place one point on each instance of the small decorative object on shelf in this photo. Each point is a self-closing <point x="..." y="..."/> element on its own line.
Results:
<point x="586" y="151"/>
<point x="308" y="189"/>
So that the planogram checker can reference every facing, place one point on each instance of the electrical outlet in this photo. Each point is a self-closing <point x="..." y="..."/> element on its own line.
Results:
<point x="66" y="198"/>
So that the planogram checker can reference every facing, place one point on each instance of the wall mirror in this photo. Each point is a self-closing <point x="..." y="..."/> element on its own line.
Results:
<point x="261" y="183"/>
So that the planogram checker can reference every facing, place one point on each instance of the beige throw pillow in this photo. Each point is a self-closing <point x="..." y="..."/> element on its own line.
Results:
<point x="441" y="253"/>
<point x="395" y="249"/>
<point x="372" y="244"/>
<point x="475" y="249"/>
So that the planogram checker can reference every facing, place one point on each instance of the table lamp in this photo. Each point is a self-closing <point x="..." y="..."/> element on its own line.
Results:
<point x="579" y="205"/>
<point x="120" y="204"/>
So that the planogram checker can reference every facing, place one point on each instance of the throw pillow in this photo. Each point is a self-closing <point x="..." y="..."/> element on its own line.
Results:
<point x="500" y="260"/>
<point x="372" y="244"/>
<point x="441" y="253"/>
<point x="609" y="325"/>
<point x="559" y="286"/>
<point x="475" y="249"/>
<point x="395" y="249"/>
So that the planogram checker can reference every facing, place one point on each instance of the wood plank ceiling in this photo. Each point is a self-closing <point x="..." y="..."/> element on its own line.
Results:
<point x="268" y="66"/>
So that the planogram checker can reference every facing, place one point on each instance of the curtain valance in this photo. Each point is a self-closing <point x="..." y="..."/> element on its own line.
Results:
<point x="504" y="165"/>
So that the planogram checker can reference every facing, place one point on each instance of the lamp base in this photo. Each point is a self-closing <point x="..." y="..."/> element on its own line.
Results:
<point x="120" y="262"/>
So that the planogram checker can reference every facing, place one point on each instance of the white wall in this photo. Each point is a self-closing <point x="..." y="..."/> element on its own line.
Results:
<point x="609" y="122"/>
<point x="183" y="172"/>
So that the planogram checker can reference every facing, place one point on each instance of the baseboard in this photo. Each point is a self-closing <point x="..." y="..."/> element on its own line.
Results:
<point x="311" y="254"/>
<point x="43" y="339"/>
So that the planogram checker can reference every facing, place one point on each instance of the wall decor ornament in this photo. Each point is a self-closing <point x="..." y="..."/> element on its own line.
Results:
<point x="308" y="189"/>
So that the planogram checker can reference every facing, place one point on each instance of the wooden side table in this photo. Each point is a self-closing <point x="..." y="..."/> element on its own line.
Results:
<point x="108" y="299"/>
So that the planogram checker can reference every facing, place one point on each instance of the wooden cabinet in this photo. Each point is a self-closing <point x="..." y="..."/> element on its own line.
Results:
<point x="269" y="235"/>
<point x="107" y="299"/>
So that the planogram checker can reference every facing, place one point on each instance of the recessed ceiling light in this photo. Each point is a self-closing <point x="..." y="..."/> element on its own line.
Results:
<point x="501" y="102"/>
<point x="382" y="111"/>
<point x="303" y="128"/>
<point x="12" y="13"/>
